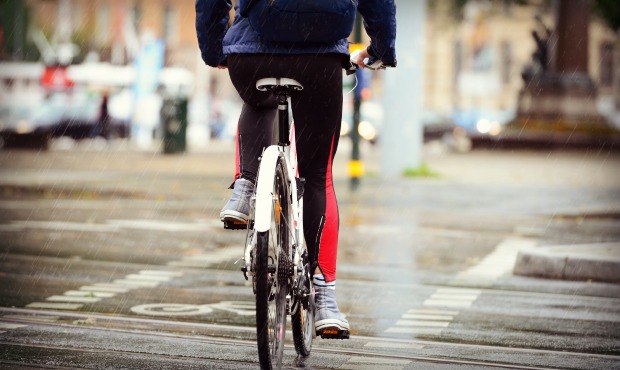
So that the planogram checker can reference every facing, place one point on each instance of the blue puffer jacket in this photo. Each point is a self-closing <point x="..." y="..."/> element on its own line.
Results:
<point x="216" y="40"/>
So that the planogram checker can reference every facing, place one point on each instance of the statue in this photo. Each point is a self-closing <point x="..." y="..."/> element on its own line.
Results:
<point x="540" y="57"/>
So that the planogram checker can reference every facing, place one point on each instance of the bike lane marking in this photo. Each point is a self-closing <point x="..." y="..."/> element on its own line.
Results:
<point x="434" y="320"/>
<point x="496" y="264"/>
<point x="452" y="297"/>
<point x="419" y="321"/>
<point x="242" y="308"/>
<point x="74" y="300"/>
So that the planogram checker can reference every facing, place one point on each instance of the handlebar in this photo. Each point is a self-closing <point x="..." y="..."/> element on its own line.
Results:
<point x="370" y="63"/>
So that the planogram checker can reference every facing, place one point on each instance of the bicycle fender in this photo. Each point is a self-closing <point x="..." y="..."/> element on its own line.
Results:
<point x="264" y="188"/>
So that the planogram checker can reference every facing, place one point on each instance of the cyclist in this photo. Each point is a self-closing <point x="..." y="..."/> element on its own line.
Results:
<point x="317" y="111"/>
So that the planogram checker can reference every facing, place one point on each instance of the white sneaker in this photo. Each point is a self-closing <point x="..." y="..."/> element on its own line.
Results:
<point x="327" y="314"/>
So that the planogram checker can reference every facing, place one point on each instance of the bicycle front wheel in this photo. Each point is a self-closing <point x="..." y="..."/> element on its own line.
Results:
<point x="273" y="266"/>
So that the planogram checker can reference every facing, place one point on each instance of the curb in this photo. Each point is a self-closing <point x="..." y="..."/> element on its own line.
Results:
<point x="596" y="262"/>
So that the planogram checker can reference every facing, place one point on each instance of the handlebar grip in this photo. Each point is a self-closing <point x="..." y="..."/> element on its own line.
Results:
<point x="374" y="63"/>
<point x="370" y="63"/>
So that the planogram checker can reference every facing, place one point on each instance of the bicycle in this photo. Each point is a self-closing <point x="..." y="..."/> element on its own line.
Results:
<point x="275" y="254"/>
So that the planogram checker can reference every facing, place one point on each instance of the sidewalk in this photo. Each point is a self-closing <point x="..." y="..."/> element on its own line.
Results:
<point x="595" y="262"/>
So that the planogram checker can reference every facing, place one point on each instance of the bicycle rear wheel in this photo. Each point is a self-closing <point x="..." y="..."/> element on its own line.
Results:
<point x="272" y="271"/>
<point x="303" y="315"/>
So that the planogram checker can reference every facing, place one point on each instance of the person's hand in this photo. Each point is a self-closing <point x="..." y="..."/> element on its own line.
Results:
<point x="363" y="54"/>
<point x="221" y="67"/>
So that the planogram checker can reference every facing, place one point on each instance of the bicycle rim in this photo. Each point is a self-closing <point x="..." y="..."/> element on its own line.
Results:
<point x="303" y="318"/>
<point x="272" y="268"/>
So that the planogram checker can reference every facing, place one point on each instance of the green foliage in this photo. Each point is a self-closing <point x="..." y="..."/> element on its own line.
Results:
<point x="609" y="11"/>
<point x="14" y="21"/>
<point x="422" y="171"/>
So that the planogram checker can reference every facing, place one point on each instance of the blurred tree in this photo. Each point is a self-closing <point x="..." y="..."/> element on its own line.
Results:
<point x="14" y="41"/>
<point x="609" y="11"/>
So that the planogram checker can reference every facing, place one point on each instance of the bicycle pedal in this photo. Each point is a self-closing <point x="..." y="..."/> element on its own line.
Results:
<point x="235" y="225"/>
<point x="334" y="334"/>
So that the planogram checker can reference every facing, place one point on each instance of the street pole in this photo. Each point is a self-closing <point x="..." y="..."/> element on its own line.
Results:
<point x="356" y="166"/>
<point x="401" y="141"/>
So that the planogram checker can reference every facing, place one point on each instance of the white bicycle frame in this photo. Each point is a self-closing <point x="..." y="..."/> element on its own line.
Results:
<point x="263" y="209"/>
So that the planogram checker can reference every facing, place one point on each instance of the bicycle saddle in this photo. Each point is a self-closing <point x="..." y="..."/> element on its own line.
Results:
<point x="270" y="83"/>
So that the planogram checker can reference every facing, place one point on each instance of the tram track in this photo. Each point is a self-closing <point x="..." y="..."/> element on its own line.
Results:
<point x="169" y="330"/>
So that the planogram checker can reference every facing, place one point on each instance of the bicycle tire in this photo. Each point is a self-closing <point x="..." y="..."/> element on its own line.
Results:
<point x="302" y="319"/>
<point x="272" y="273"/>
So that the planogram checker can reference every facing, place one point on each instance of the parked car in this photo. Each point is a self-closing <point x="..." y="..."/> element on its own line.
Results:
<point x="22" y="125"/>
<point x="435" y="125"/>
<point x="371" y="119"/>
<point x="480" y="123"/>
<point x="34" y="126"/>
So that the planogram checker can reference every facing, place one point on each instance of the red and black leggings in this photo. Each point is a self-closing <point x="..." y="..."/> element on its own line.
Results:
<point x="317" y="112"/>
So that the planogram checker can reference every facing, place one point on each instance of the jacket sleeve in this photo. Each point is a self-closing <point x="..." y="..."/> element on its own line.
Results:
<point x="211" y="25"/>
<point x="380" y="23"/>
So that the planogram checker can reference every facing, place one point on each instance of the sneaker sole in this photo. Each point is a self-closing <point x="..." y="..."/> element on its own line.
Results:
<point x="329" y="324"/>
<point x="233" y="216"/>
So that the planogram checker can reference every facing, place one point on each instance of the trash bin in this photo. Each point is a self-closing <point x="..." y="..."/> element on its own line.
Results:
<point x="174" y="121"/>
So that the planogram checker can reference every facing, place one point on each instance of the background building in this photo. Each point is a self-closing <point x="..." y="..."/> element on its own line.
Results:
<point x="472" y="61"/>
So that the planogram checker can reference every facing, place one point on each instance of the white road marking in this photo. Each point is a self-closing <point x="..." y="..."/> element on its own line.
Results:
<point x="496" y="264"/>
<point x="153" y="278"/>
<point x="414" y="331"/>
<point x="72" y="299"/>
<point x="136" y="283"/>
<point x="408" y="316"/>
<point x="161" y="273"/>
<point x="439" y="324"/>
<point x="433" y="321"/>
<point x="425" y="311"/>
<point x="447" y="303"/>
<point x="455" y="297"/>
<point x="84" y="293"/>
<point x="388" y="344"/>
<point x="55" y="306"/>
<point x="103" y="287"/>
<point x="366" y="363"/>
<point x="11" y="326"/>
<point x="425" y="322"/>
<point x="460" y="291"/>
<point x="75" y="299"/>
<point x="171" y="309"/>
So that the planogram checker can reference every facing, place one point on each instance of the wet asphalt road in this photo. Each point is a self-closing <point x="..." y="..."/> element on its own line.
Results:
<point x="111" y="258"/>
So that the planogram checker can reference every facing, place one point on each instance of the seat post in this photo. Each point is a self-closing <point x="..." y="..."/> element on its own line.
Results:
<point x="283" y="120"/>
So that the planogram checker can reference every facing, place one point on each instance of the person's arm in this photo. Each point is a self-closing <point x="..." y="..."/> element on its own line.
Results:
<point x="212" y="18"/>
<point x="380" y="23"/>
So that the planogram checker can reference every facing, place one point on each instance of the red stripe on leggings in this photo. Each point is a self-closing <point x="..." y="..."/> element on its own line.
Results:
<point x="237" y="160"/>
<point x="328" y="247"/>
